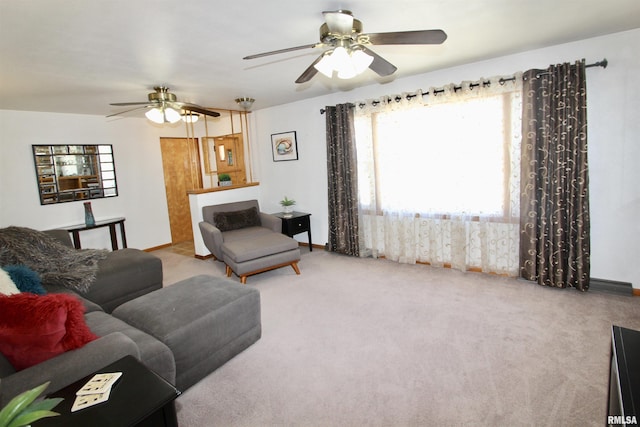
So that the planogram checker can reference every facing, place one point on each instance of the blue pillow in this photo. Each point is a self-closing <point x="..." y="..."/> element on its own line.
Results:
<point x="25" y="279"/>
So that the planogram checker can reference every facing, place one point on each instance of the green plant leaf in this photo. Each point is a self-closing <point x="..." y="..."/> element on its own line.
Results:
<point x="28" y="417"/>
<point x="19" y="403"/>
<point x="287" y="202"/>
<point x="45" y="404"/>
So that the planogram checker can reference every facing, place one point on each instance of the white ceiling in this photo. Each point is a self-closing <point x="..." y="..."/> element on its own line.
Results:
<point x="77" y="56"/>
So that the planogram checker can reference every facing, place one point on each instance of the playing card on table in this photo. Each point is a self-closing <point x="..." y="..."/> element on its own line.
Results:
<point x="85" y="400"/>
<point x="100" y="383"/>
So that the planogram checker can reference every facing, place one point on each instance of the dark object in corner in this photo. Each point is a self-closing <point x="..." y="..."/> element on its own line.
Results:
<point x="624" y="381"/>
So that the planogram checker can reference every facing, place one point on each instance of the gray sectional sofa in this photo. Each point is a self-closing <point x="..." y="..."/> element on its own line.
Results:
<point x="182" y="332"/>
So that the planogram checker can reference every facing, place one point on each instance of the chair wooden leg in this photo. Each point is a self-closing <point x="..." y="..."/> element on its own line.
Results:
<point x="228" y="271"/>
<point x="295" y="267"/>
<point x="243" y="280"/>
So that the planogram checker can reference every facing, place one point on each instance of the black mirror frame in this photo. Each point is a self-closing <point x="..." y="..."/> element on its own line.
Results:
<point x="93" y="172"/>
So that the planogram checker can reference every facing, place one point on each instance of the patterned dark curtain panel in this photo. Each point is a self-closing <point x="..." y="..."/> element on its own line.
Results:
<point x="342" y="180"/>
<point x="554" y="205"/>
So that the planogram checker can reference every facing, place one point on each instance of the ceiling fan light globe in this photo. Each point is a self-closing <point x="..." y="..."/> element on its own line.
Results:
<point x="347" y="72"/>
<point x="189" y="117"/>
<point x="347" y="65"/>
<point x="340" y="56"/>
<point x="325" y="65"/>
<point x="361" y="61"/>
<point x="245" y="103"/>
<point x="171" y="115"/>
<point x="155" y="115"/>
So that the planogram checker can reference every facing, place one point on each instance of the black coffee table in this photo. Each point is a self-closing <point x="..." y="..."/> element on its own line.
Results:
<point x="139" y="398"/>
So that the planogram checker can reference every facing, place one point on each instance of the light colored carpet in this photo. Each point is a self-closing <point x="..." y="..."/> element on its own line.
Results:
<point x="363" y="342"/>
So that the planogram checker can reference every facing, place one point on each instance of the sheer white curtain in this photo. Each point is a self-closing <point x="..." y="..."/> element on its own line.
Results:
<point x="438" y="176"/>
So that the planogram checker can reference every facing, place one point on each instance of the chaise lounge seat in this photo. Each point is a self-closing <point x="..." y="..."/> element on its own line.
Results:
<point x="264" y="252"/>
<point x="246" y="240"/>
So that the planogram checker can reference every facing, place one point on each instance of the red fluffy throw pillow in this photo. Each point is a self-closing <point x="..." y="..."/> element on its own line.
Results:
<point x="34" y="328"/>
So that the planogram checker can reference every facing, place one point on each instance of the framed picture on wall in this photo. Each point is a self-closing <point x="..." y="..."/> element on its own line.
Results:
<point x="284" y="146"/>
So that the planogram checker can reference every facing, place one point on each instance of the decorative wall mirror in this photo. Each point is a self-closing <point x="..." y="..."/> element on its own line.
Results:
<point x="67" y="173"/>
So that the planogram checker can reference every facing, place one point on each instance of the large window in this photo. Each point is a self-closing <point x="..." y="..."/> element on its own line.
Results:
<point x="446" y="158"/>
<point x="434" y="171"/>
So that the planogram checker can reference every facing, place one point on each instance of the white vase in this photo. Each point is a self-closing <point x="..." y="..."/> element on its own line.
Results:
<point x="287" y="209"/>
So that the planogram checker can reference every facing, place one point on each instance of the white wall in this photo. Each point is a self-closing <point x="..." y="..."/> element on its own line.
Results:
<point x="303" y="180"/>
<point x="614" y="146"/>
<point x="138" y="161"/>
<point x="614" y="149"/>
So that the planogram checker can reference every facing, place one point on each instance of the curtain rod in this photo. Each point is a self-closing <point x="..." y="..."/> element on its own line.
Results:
<point x="602" y="64"/>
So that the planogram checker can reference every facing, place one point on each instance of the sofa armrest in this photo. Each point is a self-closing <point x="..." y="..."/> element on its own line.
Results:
<point x="69" y="367"/>
<point x="271" y="221"/>
<point x="212" y="237"/>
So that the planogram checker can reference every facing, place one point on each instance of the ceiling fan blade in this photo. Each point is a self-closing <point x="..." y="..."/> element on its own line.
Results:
<point x="197" y="109"/>
<point x="289" y="49"/>
<point x="309" y="72"/>
<point x="381" y="66"/>
<point x="125" y="104"/>
<point x="407" y="37"/>
<point x="339" y="21"/>
<point x="127" y="111"/>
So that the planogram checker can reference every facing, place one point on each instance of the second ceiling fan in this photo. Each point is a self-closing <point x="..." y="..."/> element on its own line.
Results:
<point x="163" y="107"/>
<point x="348" y="53"/>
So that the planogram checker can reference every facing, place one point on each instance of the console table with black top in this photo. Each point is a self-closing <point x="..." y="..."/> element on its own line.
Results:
<point x="296" y="223"/>
<point x="111" y="223"/>
<point x="140" y="398"/>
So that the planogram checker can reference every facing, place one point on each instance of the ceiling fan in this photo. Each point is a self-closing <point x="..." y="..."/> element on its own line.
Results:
<point x="348" y="53"/>
<point x="164" y="107"/>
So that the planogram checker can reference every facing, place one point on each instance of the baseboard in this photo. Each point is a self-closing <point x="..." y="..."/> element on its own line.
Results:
<point x="313" y="246"/>
<point x="612" y="286"/>
<point x="595" y="284"/>
<point x="157" y="248"/>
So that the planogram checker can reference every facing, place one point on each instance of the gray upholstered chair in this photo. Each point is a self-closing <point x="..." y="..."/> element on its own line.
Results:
<point x="246" y="240"/>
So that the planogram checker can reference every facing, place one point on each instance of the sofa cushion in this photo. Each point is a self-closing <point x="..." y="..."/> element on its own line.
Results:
<point x="245" y="233"/>
<point x="25" y="279"/>
<point x="35" y="328"/>
<point x="6" y="368"/>
<point x="235" y="220"/>
<point x="89" y="306"/>
<point x="153" y="353"/>
<point x="266" y="244"/>
<point x="124" y="275"/>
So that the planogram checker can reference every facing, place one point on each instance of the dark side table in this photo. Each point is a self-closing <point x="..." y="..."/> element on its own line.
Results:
<point x="140" y="398"/>
<point x="296" y="223"/>
<point x="111" y="223"/>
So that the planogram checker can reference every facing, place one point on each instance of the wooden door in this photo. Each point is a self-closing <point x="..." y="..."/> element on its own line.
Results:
<point x="181" y="165"/>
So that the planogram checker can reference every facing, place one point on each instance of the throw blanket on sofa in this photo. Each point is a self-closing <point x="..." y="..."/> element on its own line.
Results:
<point x="56" y="263"/>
